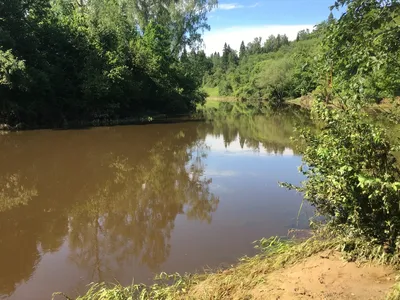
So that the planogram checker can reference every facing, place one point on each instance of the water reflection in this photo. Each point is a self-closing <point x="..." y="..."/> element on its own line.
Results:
<point x="270" y="132"/>
<point x="114" y="196"/>
<point x="102" y="199"/>
<point x="131" y="215"/>
<point x="13" y="192"/>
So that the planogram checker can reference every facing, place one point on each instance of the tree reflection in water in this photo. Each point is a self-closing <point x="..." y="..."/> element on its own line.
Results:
<point x="13" y="193"/>
<point x="112" y="195"/>
<point x="132" y="215"/>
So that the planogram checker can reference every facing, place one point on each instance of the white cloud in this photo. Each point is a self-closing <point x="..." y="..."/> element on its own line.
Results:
<point x="214" y="40"/>
<point x="229" y="6"/>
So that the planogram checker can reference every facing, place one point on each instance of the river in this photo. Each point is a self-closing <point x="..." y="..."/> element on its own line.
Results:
<point x="127" y="202"/>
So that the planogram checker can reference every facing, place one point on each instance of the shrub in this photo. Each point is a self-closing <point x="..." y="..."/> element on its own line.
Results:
<point x="352" y="175"/>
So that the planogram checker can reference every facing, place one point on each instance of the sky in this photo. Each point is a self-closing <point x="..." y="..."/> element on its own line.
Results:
<point x="237" y="20"/>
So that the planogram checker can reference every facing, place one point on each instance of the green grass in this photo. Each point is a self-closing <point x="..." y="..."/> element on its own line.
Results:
<point x="395" y="293"/>
<point x="212" y="92"/>
<point x="213" y="95"/>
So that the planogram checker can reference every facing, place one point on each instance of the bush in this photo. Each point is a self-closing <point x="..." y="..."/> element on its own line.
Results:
<point x="225" y="89"/>
<point x="353" y="177"/>
<point x="276" y="81"/>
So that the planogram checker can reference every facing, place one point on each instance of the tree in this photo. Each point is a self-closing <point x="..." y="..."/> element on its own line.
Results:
<point x="356" y="191"/>
<point x="68" y="61"/>
<point x="303" y="35"/>
<point x="284" y="40"/>
<point x="10" y="67"/>
<point x="242" y="51"/>
<point x="331" y="18"/>
<point x="255" y="46"/>
<point x="224" y="58"/>
<point x="362" y="48"/>
<point x="184" y="19"/>
<point x="271" y="44"/>
<point x="353" y="177"/>
<point x="276" y="81"/>
<point x="305" y="67"/>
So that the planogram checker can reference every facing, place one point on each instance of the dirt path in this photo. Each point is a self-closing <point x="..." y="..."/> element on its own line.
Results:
<point x="326" y="276"/>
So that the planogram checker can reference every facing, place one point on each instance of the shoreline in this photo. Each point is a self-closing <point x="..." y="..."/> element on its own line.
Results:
<point x="211" y="102"/>
<point x="320" y="269"/>
<point x="157" y="119"/>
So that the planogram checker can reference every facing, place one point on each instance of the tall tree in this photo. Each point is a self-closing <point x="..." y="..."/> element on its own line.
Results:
<point x="225" y="56"/>
<point x="185" y="19"/>
<point x="255" y="46"/>
<point x="242" y="51"/>
<point x="303" y="35"/>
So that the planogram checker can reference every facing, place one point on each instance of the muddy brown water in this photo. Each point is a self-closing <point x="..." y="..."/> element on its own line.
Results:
<point x="124" y="203"/>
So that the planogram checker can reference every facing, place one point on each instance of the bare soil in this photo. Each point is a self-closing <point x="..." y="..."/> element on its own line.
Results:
<point x="324" y="276"/>
<point x="327" y="276"/>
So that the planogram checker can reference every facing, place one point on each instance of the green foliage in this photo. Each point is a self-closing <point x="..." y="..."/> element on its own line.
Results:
<point x="225" y="88"/>
<point x="358" y="59"/>
<point x="184" y="20"/>
<point x="352" y="176"/>
<point x="276" y="81"/>
<point x="305" y="68"/>
<point x="64" y="60"/>
<point x="242" y="51"/>
<point x="161" y="290"/>
<point x="292" y="67"/>
<point x="13" y="193"/>
<point x="361" y="51"/>
<point x="10" y="67"/>
<point x="273" y="44"/>
<point x="395" y="292"/>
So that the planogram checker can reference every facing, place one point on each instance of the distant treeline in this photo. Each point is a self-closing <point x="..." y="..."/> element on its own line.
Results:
<point x="317" y="61"/>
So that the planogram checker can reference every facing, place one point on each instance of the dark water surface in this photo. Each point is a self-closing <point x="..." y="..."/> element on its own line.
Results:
<point x="119" y="203"/>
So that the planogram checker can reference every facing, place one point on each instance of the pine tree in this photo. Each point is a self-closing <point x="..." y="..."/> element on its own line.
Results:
<point x="331" y="18"/>
<point x="242" y="52"/>
<point x="225" y="57"/>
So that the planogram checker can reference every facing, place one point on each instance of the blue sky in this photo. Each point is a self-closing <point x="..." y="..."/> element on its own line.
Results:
<point x="234" y="21"/>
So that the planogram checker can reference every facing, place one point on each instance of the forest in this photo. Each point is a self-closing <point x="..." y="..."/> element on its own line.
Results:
<point x="363" y="47"/>
<point x="65" y="61"/>
<point x="84" y="60"/>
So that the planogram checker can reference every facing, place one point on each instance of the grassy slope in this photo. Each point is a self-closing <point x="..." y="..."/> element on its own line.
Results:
<point x="211" y="92"/>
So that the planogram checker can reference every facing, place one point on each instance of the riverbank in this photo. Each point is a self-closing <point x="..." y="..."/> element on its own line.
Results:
<point x="304" y="101"/>
<point x="143" y="120"/>
<point x="211" y="102"/>
<point x="312" y="269"/>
